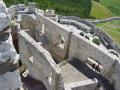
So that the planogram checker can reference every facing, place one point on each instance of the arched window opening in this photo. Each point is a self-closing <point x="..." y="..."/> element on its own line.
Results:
<point x="94" y="65"/>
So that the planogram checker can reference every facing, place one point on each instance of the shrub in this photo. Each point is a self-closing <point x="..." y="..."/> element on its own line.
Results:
<point x="96" y="41"/>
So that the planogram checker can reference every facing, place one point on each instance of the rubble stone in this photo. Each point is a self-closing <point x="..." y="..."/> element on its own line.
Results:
<point x="9" y="75"/>
<point x="4" y="16"/>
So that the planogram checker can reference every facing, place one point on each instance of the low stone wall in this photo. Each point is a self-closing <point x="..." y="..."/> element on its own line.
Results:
<point x="82" y="49"/>
<point x="75" y="21"/>
<point x="79" y="20"/>
<point x="107" y="38"/>
<point x="82" y="85"/>
<point x="105" y="20"/>
<point x="82" y="27"/>
<point x="40" y="64"/>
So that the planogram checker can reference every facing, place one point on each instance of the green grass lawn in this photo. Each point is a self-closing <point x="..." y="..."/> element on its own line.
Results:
<point x="113" y="5"/>
<point x="112" y="28"/>
<point x="99" y="11"/>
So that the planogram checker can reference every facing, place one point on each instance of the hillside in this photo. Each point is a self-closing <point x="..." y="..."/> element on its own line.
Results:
<point x="112" y="28"/>
<point x="113" y="5"/>
<point x="99" y="11"/>
<point x="80" y="8"/>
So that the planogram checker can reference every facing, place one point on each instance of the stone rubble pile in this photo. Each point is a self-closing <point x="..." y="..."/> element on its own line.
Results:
<point x="9" y="75"/>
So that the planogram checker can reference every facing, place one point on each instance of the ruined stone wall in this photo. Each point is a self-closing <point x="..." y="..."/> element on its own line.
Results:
<point x="72" y="20"/>
<point x="40" y="64"/>
<point x="116" y="75"/>
<point x="82" y="49"/>
<point x="57" y="35"/>
<point x="82" y="85"/>
<point x="61" y="44"/>
<point x="12" y="11"/>
<point x="108" y="39"/>
<point x="79" y="20"/>
<point x="27" y="22"/>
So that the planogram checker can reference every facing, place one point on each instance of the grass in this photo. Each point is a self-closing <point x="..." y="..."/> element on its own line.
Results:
<point x="112" y="28"/>
<point x="113" y="5"/>
<point x="99" y="11"/>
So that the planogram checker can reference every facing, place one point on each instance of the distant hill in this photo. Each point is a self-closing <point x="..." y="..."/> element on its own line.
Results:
<point x="80" y="8"/>
<point x="113" y="5"/>
<point x="100" y="11"/>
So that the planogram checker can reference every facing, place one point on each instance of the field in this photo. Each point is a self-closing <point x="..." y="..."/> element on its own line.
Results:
<point x="113" y="29"/>
<point x="99" y="11"/>
<point x="113" y="5"/>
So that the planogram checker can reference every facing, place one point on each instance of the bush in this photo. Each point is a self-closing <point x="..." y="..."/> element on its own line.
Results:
<point x="96" y="41"/>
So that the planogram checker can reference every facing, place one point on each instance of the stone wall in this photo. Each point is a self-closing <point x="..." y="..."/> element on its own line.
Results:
<point x="105" y="20"/>
<point x="28" y="21"/>
<point x="116" y="75"/>
<point x="82" y="85"/>
<point x="63" y="44"/>
<point x="40" y="64"/>
<point x="57" y="35"/>
<point x="82" y="49"/>
<point x="80" y="26"/>
<point x="105" y="37"/>
<point x="79" y="20"/>
<point x="72" y="20"/>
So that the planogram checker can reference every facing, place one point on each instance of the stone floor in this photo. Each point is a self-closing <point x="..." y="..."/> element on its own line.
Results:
<point x="76" y="70"/>
<point x="71" y="74"/>
<point x="73" y="71"/>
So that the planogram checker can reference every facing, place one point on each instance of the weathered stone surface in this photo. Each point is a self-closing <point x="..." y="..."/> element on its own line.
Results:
<point x="83" y="49"/>
<point x="12" y="11"/>
<point x="28" y="21"/>
<point x="82" y="85"/>
<point x="57" y="35"/>
<point x="31" y="7"/>
<point x="8" y="79"/>
<point x="4" y="16"/>
<point x="39" y="62"/>
<point x="9" y="75"/>
<point x="61" y="43"/>
<point x="21" y="7"/>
